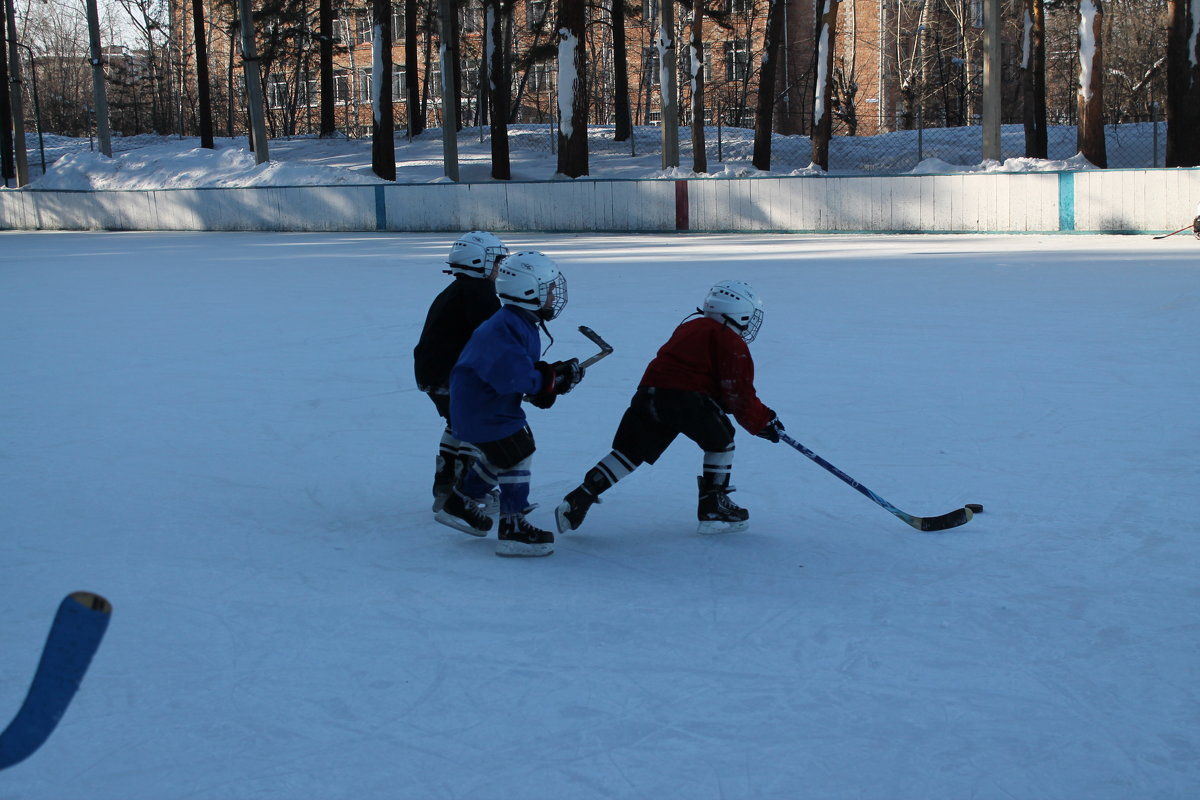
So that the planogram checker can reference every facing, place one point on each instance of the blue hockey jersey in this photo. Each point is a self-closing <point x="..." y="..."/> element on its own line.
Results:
<point x="495" y="371"/>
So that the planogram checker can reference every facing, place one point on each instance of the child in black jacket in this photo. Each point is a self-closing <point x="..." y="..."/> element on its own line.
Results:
<point x="453" y="316"/>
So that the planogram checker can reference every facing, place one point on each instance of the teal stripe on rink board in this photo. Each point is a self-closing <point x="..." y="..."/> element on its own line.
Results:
<point x="1066" y="201"/>
<point x="380" y="210"/>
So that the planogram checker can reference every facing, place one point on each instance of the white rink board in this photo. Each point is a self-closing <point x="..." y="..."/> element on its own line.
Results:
<point x="1092" y="201"/>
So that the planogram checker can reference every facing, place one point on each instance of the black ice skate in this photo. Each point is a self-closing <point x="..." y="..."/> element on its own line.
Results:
<point x="521" y="540"/>
<point x="574" y="507"/>
<point x="443" y="480"/>
<point x="462" y="513"/>
<point x="491" y="503"/>
<point x="716" y="512"/>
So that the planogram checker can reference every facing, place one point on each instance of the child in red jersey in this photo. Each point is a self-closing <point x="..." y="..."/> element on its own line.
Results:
<point x="700" y="376"/>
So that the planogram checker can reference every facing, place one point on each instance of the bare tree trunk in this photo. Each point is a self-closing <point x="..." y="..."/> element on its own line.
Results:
<point x="8" y="169"/>
<point x="253" y="76"/>
<point x="203" y="89"/>
<point x="764" y="114"/>
<point x="910" y="66"/>
<point x="383" y="127"/>
<point x="498" y="14"/>
<point x="1183" y="85"/>
<point x="16" y="106"/>
<point x="696" y="69"/>
<point x="456" y="66"/>
<point x="1033" y="79"/>
<point x="572" y="90"/>
<point x="99" y="88"/>
<point x="325" y="68"/>
<point x="1091" y="83"/>
<point x="173" y="59"/>
<point x="823" y="100"/>
<point x="621" y="110"/>
<point x="448" y="11"/>
<point x="230" y="70"/>
<point x="668" y="55"/>
<point x="412" y="73"/>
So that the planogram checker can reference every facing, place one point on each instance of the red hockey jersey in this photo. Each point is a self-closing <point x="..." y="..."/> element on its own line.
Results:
<point x="705" y="356"/>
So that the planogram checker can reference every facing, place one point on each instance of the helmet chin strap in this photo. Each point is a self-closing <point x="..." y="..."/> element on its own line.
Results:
<point x="731" y="322"/>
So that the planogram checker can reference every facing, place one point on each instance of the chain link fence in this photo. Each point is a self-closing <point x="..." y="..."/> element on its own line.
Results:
<point x="1133" y="145"/>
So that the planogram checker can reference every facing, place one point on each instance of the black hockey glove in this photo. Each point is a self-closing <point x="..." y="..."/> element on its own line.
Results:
<point x="567" y="374"/>
<point x="557" y="378"/>
<point x="772" y="429"/>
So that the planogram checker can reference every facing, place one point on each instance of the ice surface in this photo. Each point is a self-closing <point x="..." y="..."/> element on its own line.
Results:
<point x="220" y="433"/>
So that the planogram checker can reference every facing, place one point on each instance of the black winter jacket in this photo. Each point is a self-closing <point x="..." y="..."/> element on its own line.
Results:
<point x="453" y="316"/>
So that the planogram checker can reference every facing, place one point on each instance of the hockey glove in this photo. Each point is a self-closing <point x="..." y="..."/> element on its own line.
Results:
<point x="546" y="397"/>
<point x="557" y="378"/>
<point x="772" y="429"/>
<point x="567" y="374"/>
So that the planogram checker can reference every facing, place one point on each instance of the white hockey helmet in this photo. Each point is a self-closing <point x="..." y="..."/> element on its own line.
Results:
<point x="475" y="254"/>
<point x="532" y="281"/>
<point x="735" y="304"/>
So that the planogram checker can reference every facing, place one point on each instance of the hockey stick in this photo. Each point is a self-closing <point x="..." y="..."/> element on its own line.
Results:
<point x="74" y="636"/>
<point x="1172" y="233"/>
<point x="605" y="348"/>
<point x="957" y="517"/>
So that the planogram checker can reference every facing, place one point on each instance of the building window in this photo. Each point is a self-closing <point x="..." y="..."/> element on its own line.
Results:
<point x="737" y="60"/>
<point x="277" y="90"/>
<point x="364" y="31"/>
<point x="469" y="14"/>
<point x="470" y="76"/>
<point x="399" y="83"/>
<point x="706" y="64"/>
<point x="541" y="77"/>
<point x="976" y="11"/>
<point x="535" y="13"/>
<point x="740" y="6"/>
<point x="650" y="64"/>
<point x="341" y="86"/>
<point x="364" y="85"/>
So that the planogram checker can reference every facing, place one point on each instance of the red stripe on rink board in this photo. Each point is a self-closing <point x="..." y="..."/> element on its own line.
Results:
<point x="681" y="205"/>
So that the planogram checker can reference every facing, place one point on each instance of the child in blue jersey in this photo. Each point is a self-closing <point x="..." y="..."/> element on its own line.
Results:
<point x="499" y="367"/>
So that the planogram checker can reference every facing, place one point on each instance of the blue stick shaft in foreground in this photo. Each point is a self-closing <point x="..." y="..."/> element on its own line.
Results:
<point x="957" y="517"/>
<point x="74" y="636"/>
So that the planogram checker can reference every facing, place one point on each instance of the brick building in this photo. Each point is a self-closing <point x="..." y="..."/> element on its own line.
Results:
<point x="878" y="64"/>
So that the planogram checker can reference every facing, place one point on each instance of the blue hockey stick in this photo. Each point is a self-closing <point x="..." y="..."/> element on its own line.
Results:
<point x="957" y="517"/>
<point x="74" y="636"/>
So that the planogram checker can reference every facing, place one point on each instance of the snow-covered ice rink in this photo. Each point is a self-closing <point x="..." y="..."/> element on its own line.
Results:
<point x="221" y="434"/>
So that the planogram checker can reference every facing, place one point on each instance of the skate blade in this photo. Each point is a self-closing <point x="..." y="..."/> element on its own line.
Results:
<point x="451" y="521"/>
<point x="507" y="549"/>
<point x="715" y="527"/>
<point x="560" y="518"/>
